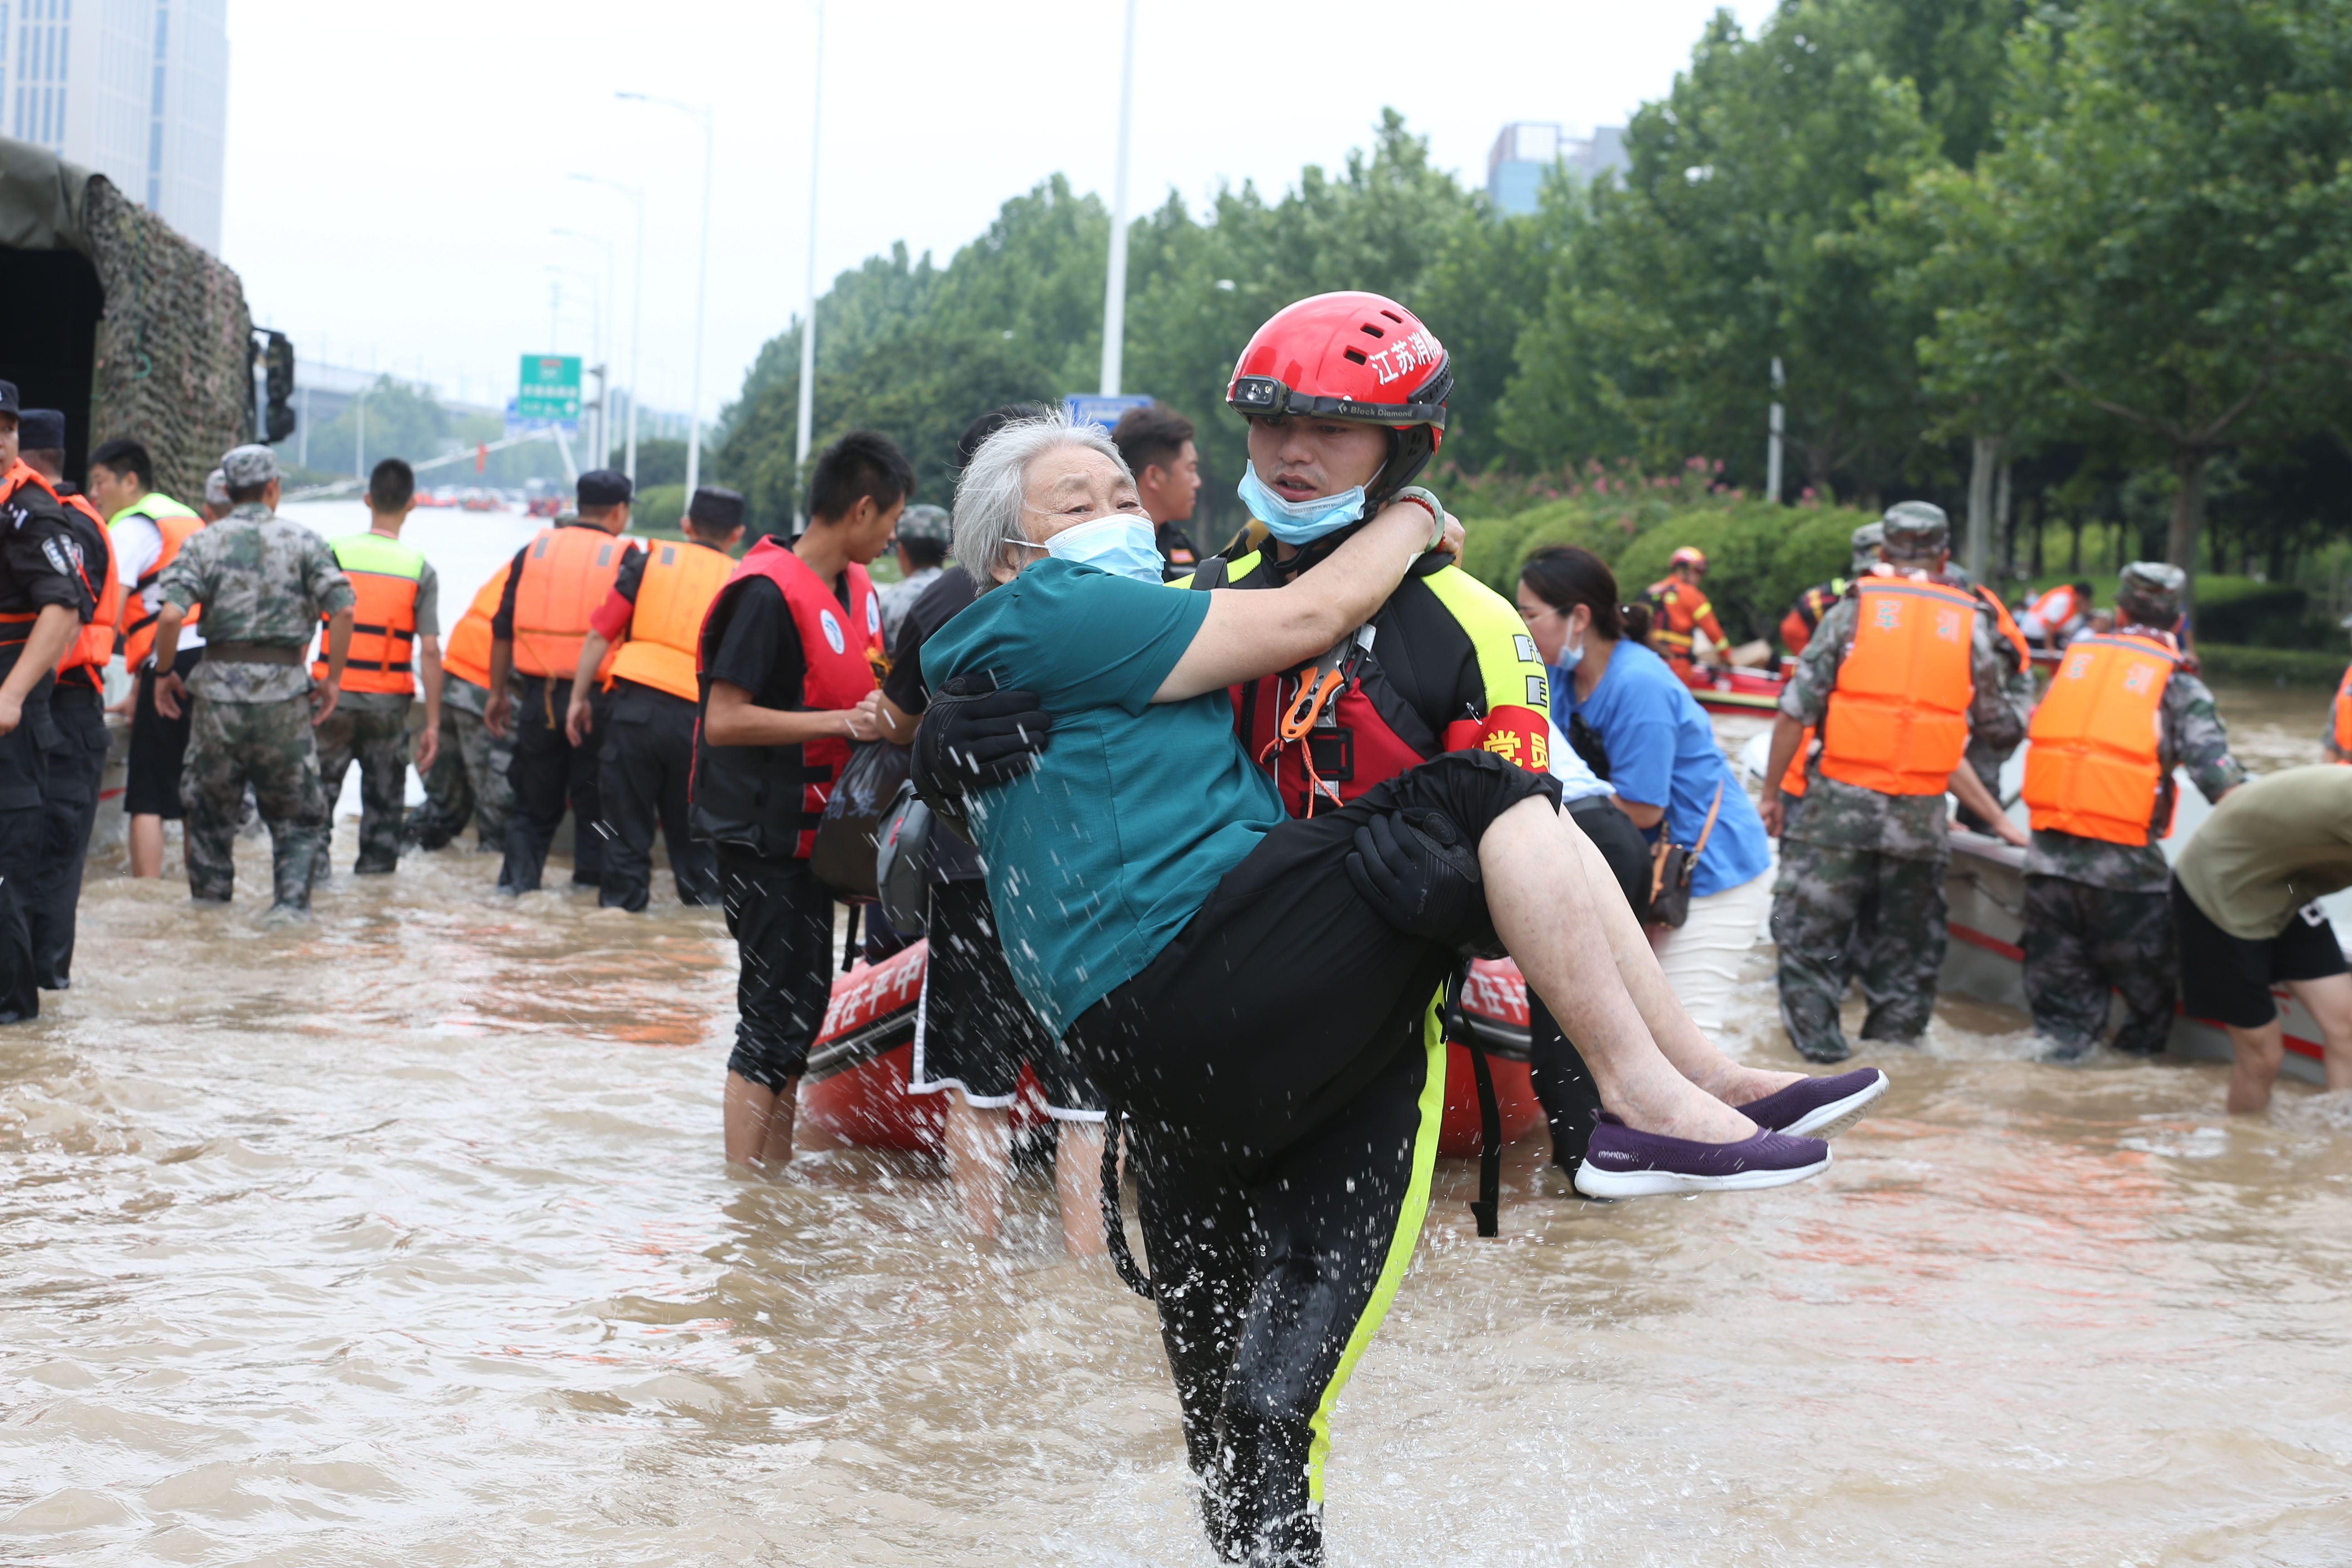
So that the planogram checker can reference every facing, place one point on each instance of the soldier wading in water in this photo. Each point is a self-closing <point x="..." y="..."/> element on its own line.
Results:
<point x="264" y="584"/>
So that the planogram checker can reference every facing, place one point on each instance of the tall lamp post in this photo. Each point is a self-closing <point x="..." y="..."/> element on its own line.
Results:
<point x="701" y="287"/>
<point x="1114" y="348"/>
<point x="807" y="419"/>
<point x="636" y="309"/>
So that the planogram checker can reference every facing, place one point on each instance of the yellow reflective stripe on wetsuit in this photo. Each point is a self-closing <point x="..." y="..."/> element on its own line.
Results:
<point x="1410" y="1214"/>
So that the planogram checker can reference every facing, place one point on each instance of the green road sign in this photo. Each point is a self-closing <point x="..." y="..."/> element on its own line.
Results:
<point x="550" y="388"/>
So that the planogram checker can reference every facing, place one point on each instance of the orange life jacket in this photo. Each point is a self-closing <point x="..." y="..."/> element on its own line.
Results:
<point x="566" y="573"/>
<point x="2344" y="717"/>
<point x="1681" y="610"/>
<point x="1898" y="723"/>
<point x="138" y="639"/>
<point x="665" y="626"/>
<point x="2055" y="608"/>
<point x="94" y="644"/>
<point x="16" y="626"/>
<point x="385" y="575"/>
<point x="468" y="656"/>
<point x="769" y="799"/>
<point x="2095" y="769"/>
<point x="2006" y="624"/>
<point x="1792" y="782"/>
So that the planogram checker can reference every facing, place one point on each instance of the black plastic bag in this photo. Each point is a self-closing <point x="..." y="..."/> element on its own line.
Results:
<point x="847" y="838"/>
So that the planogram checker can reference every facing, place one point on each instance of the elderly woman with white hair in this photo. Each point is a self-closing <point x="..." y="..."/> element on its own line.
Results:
<point x="1248" y="989"/>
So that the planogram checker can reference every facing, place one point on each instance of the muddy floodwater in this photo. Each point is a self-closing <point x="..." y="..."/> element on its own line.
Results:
<point x="403" y="1238"/>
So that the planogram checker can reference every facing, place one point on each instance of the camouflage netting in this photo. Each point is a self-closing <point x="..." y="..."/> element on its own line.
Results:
<point x="172" y="348"/>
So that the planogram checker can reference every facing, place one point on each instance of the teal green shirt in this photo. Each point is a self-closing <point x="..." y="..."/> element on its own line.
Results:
<point x="1098" y="854"/>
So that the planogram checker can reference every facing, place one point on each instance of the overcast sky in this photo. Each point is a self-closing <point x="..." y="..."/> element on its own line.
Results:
<point x="395" y="171"/>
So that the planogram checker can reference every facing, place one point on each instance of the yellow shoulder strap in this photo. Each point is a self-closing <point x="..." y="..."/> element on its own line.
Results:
<point x="1509" y="667"/>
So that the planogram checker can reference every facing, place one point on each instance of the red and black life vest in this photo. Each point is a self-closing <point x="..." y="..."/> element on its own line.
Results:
<point x="768" y="799"/>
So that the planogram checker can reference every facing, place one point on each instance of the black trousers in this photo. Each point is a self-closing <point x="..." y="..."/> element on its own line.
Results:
<point x="76" y="760"/>
<point x="548" y="770"/>
<point x="1563" y="1084"/>
<point x="781" y="921"/>
<point x="641" y="780"/>
<point x="23" y="832"/>
<point x="1274" y="1062"/>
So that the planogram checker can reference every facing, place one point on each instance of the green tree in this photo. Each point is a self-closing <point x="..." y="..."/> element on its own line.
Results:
<point x="2162" y="235"/>
<point x="392" y="420"/>
<point x="1747" y="229"/>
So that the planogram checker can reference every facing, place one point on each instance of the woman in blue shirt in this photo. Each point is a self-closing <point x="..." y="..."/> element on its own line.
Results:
<point x="1662" y="760"/>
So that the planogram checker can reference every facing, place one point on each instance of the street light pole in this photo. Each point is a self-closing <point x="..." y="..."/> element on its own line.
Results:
<point x="807" y="419"/>
<point x="701" y="287"/>
<point x="1114" y="347"/>
<point x="637" y="310"/>
<point x="603" y="444"/>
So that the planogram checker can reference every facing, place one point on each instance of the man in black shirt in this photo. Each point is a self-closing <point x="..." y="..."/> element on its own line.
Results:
<point x="43" y="606"/>
<point x="1157" y="444"/>
<point x="789" y="658"/>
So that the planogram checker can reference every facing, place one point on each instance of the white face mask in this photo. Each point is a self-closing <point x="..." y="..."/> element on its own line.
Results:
<point x="1121" y="544"/>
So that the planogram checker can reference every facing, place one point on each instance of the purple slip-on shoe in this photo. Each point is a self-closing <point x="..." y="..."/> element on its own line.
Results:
<point x="1625" y="1163"/>
<point x="1818" y="1107"/>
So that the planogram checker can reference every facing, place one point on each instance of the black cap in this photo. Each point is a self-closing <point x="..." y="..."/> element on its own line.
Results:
<point x="8" y="399"/>
<point x="715" y="509"/>
<point x="41" y="430"/>
<point x="603" y="486"/>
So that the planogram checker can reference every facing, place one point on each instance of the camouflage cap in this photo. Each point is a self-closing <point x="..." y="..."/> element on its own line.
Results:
<point x="252" y="464"/>
<point x="1865" y="542"/>
<point x="1915" y="530"/>
<point x="2149" y="592"/>
<point x="927" y="522"/>
<point x="217" y="489"/>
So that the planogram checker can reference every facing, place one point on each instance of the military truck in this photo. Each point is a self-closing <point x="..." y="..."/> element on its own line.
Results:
<point x="109" y="314"/>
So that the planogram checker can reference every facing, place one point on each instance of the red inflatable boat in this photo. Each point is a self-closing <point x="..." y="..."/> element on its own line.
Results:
<point x="856" y="1086"/>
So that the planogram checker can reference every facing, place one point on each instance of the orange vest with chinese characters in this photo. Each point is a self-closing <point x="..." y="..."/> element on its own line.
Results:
<point x="566" y="573"/>
<point x="2094" y="769"/>
<point x="1897" y="723"/>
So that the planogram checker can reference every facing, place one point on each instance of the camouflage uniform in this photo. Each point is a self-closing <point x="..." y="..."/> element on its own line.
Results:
<point x="376" y="737"/>
<point x="264" y="584"/>
<point x="1861" y="890"/>
<point x="469" y="781"/>
<point x="2099" y="914"/>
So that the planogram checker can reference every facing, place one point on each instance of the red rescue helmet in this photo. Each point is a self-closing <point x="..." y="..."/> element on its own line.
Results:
<point x="1359" y="357"/>
<point x="1691" y="556"/>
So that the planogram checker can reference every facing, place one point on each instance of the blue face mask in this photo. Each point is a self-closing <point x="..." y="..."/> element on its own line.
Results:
<point x="1121" y="544"/>
<point x="1299" y="521"/>
<point x="1569" y="657"/>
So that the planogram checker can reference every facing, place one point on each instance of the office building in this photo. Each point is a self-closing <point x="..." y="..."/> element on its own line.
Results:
<point x="133" y="90"/>
<point x="1527" y="150"/>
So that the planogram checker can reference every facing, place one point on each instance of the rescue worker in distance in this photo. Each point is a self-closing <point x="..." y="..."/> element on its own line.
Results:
<point x="44" y="604"/>
<point x="2119" y="716"/>
<point x="554" y="586"/>
<point x="1680" y="611"/>
<point x="1903" y="670"/>
<point x="2055" y="615"/>
<point x="1797" y="626"/>
<point x="148" y="529"/>
<point x="468" y="778"/>
<point x="790" y="663"/>
<point x="395" y="628"/>
<point x="78" y="742"/>
<point x="652" y="617"/>
<point x="265" y="583"/>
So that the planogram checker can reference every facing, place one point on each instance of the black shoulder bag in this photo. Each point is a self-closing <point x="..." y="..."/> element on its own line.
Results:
<point x="1672" y="866"/>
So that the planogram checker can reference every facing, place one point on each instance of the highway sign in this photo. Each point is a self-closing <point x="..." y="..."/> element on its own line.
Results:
<point x="518" y="423"/>
<point x="1090" y="408"/>
<point x="550" y="388"/>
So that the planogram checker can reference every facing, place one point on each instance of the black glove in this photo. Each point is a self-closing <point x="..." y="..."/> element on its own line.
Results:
<point x="1418" y="871"/>
<point x="974" y="735"/>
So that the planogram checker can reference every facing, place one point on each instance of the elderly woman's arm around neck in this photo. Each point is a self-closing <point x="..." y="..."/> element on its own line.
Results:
<point x="1253" y="632"/>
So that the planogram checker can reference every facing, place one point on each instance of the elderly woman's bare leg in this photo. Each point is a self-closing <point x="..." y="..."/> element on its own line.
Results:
<point x="1679" y="1038"/>
<point x="1540" y="877"/>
